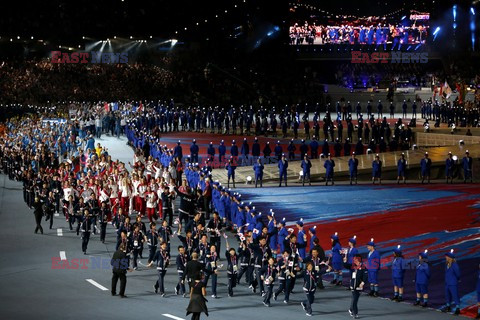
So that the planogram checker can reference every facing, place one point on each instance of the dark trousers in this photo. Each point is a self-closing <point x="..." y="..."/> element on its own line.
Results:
<point x="282" y="177"/>
<point x="159" y="284"/>
<point x="180" y="285"/>
<point x="354" y="304"/>
<point x="85" y="239"/>
<point x="38" y="220"/>
<point x="268" y="294"/>
<point x="151" y="253"/>
<point x="214" y="282"/>
<point x="285" y="285"/>
<point x="50" y="217"/>
<point x="309" y="301"/>
<point x="136" y="252"/>
<point x="206" y="203"/>
<point x="244" y="269"/>
<point x="103" y="231"/>
<point x="123" y="282"/>
<point x="260" y="282"/>
<point x="259" y="179"/>
<point x="232" y="282"/>
<point x="196" y="316"/>
<point x="168" y="212"/>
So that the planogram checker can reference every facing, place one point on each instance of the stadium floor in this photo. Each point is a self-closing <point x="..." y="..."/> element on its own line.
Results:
<point x="437" y="216"/>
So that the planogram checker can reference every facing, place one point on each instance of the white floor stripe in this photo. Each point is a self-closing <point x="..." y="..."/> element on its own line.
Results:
<point x="171" y="316"/>
<point x="57" y="214"/>
<point x="96" y="284"/>
<point x="63" y="255"/>
<point x="60" y="232"/>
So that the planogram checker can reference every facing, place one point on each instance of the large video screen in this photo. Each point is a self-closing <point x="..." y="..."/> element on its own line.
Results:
<point x="313" y="26"/>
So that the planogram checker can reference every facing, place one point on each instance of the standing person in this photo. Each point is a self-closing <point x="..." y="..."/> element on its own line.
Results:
<point x="258" y="169"/>
<point x="194" y="151"/>
<point x="193" y="269"/>
<point x="268" y="274"/>
<point x="197" y="303"/>
<point x="467" y="164"/>
<point x="105" y="216"/>
<point x="310" y="286"/>
<point x="211" y="269"/>
<point x="373" y="266"/>
<point x="120" y="263"/>
<point x="377" y="170"/>
<point x="353" y="168"/>
<point x="306" y="166"/>
<point x="401" y="169"/>
<point x="398" y="273"/>
<point x="337" y="260"/>
<point x="286" y="269"/>
<point x="452" y="276"/>
<point x="152" y="241"/>
<point x="282" y="170"/>
<point x="449" y="163"/>
<point x="86" y="229"/>
<point x="350" y="254"/>
<point x="232" y="268"/>
<point x="425" y="165"/>
<point x="230" y="167"/>
<point x="162" y="259"/>
<point x="357" y="283"/>
<point x="422" y="278"/>
<point x="38" y="213"/>
<point x="329" y="165"/>
<point x="181" y="263"/>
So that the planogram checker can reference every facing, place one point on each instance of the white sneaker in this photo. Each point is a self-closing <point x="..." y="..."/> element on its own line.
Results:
<point x="351" y="313"/>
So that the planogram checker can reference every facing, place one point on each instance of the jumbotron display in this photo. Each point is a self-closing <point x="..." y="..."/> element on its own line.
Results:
<point x="397" y="28"/>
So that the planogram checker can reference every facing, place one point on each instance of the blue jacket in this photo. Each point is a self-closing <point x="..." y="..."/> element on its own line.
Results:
<point x="353" y="165"/>
<point x="258" y="168"/>
<point x="256" y="149"/>
<point x="336" y="254"/>
<point x="211" y="150"/>
<point x="278" y="150"/>
<point x="306" y="165"/>
<point x="282" y="234"/>
<point x="328" y="165"/>
<point x="302" y="244"/>
<point x="314" y="146"/>
<point x="467" y="163"/>
<point x="422" y="275"/>
<point x="377" y="167"/>
<point x="90" y="144"/>
<point x="230" y="169"/>
<point x="221" y="150"/>
<point x="177" y="152"/>
<point x="401" y="165"/>
<point x="351" y="252"/>
<point x="425" y="165"/>
<point x="398" y="268"/>
<point x="373" y="262"/>
<point x="452" y="274"/>
<point x="245" y="148"/>
<point x="282" y="166"/>
<point x="194" y="149"/>
<point x="448" y="166"/>
<point x="234" y="151"/>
